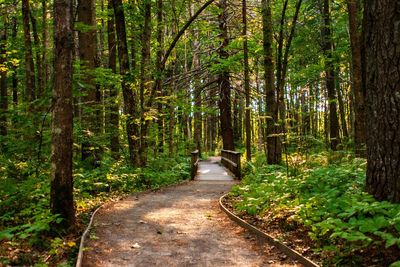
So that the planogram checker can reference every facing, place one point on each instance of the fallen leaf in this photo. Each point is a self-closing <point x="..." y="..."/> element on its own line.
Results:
<point x="136" y="245"/>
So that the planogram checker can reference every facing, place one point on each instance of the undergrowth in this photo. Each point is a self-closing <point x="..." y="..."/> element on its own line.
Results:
<point x="323" y="193"/>
<point x="25" y="218"/>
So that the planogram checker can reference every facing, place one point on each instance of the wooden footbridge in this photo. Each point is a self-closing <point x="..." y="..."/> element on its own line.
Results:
<point x="212" y="169"/>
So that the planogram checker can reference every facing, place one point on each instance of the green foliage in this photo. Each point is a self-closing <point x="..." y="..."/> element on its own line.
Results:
<point x="25" y="216"/>
<point x="326" y="196"/>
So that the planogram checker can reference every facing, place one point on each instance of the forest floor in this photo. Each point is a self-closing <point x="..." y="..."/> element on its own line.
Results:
<point x="177" y="226"/>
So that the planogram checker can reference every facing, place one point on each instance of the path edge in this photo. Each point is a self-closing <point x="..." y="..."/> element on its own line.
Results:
<point x="271" y="240"/>
<point x="89" y="226"/>
<point x="80" y="253"/>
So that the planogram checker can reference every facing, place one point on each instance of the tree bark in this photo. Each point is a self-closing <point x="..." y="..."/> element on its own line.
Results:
<point x="274" y="144"/>
<point x="15" y="68"/>
<point x="145" y="85"/>
<point x="3" y="83"/>
<point x="61" y="201"/>
<point x="29" y="66"/>
<point x="88" y="56"/>
<point x="342" y="110"/>
<point x="382" y="73"/>
<point x="197" y="94"/>
<point x="223" y="81"/>
<point x="327" y="47"/>
<point x="130" y="105"/>
<point x="38" y="56"/>
<point x="246" y="81"/>
<point x="360" y="138"/>
<point x="158" y="78"/>
<point x="45" y="45"/>
<point x="112" y="64"/>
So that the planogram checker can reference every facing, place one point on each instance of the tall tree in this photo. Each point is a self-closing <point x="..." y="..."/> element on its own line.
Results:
<point x="38" y="56"/>
<point x="358" y="88"/>
<point x="130" y="104"/>
<point x="145" y="84"/>
<point x="273" y="140"/>
<point x="246" y="80"/>
<point x="61" y="200"/>
<point x="3" y="81"/>
<point x="29" y="66"/>
<point x="197" y="91"/>
<point x="87" y="54"/>
<point x="382" y="59"/>
<point x="113" y="94"/>
<point x="223" y="80"/>
<point x="327" y="47"/>
<point x="15" y="67"/>
<point x="158" y="78"/>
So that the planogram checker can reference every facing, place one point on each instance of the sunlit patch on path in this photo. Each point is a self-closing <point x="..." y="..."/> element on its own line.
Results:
<point x="177" y="226"/>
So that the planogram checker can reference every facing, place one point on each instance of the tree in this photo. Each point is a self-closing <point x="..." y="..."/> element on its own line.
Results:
<point x="246" y="80"/>
<point x="327" y="47"/>
<point x="91" y="97"/>
<point x="62" y="201"/>
<point x="29" y="66"/>
<point x="382" y="64"/>
<point x="223" y="81"/>
<point x="130" y="104"/>
<point x="112" y="64"/>
<point x="3" y="82"/>
<point x="273" y="141"/>
<point x="357" y="79"/>
<point x="145" y="84"/>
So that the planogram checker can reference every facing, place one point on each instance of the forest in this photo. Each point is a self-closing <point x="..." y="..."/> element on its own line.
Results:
<point x="100" y="99"/>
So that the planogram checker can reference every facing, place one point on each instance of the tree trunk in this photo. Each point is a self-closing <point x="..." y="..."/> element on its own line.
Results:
<point x="87" y="54"/>
<point x="236" y="118"/>
<point x="15" y="68"/>
<point x="198" y="118"/>
<point x="273" y="141"/>
<point x="29" y="66"/>
<point x="113" y="106"/>
<point x="61" y="199"/>
<point x="360" y="138"/>
<point x="158" y="79"/>
<point x="342" y="110"/>
<point x="3" y="83"/>
<point x="382" y="57"/>
<point x="39" y="66"/>
<point x="45" y="46"/>
<point x="145" y="80"/>
<point x="327" y="47"/>
<point x="224" y="83"/>
<point x="246" y="81"/>
<point x="130" y="106"/>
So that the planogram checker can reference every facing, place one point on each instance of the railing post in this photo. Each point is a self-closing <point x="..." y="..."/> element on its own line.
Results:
<point x="194" y="163"/>
<point x="231" y="160"/>
<point x="238" y="169"/>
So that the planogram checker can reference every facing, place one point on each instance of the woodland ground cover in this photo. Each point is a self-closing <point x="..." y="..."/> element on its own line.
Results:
<point x="25" y="218"/>
<point x="321" y="194"/>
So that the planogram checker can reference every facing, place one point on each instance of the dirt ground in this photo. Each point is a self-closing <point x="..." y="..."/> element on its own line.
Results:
<point x="176" y="226"/>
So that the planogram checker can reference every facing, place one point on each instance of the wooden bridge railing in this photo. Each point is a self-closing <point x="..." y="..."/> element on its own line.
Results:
<point x="231" y="160"/>
<point x="195" y="163"/>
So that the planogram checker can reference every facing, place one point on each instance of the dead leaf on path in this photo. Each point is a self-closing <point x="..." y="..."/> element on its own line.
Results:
<point x="142" y="222"/>
<point x="136" y="245"/>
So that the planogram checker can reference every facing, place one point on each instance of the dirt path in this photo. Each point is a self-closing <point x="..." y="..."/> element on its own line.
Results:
<point x="176" y="226"/>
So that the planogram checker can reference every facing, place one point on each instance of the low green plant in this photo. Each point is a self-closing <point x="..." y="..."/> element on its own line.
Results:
<point x="325" y="194"/>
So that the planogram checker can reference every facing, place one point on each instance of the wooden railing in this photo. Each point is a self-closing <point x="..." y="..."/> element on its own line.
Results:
<point x="195" y="163"/>
<point x="231" y="160"/>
